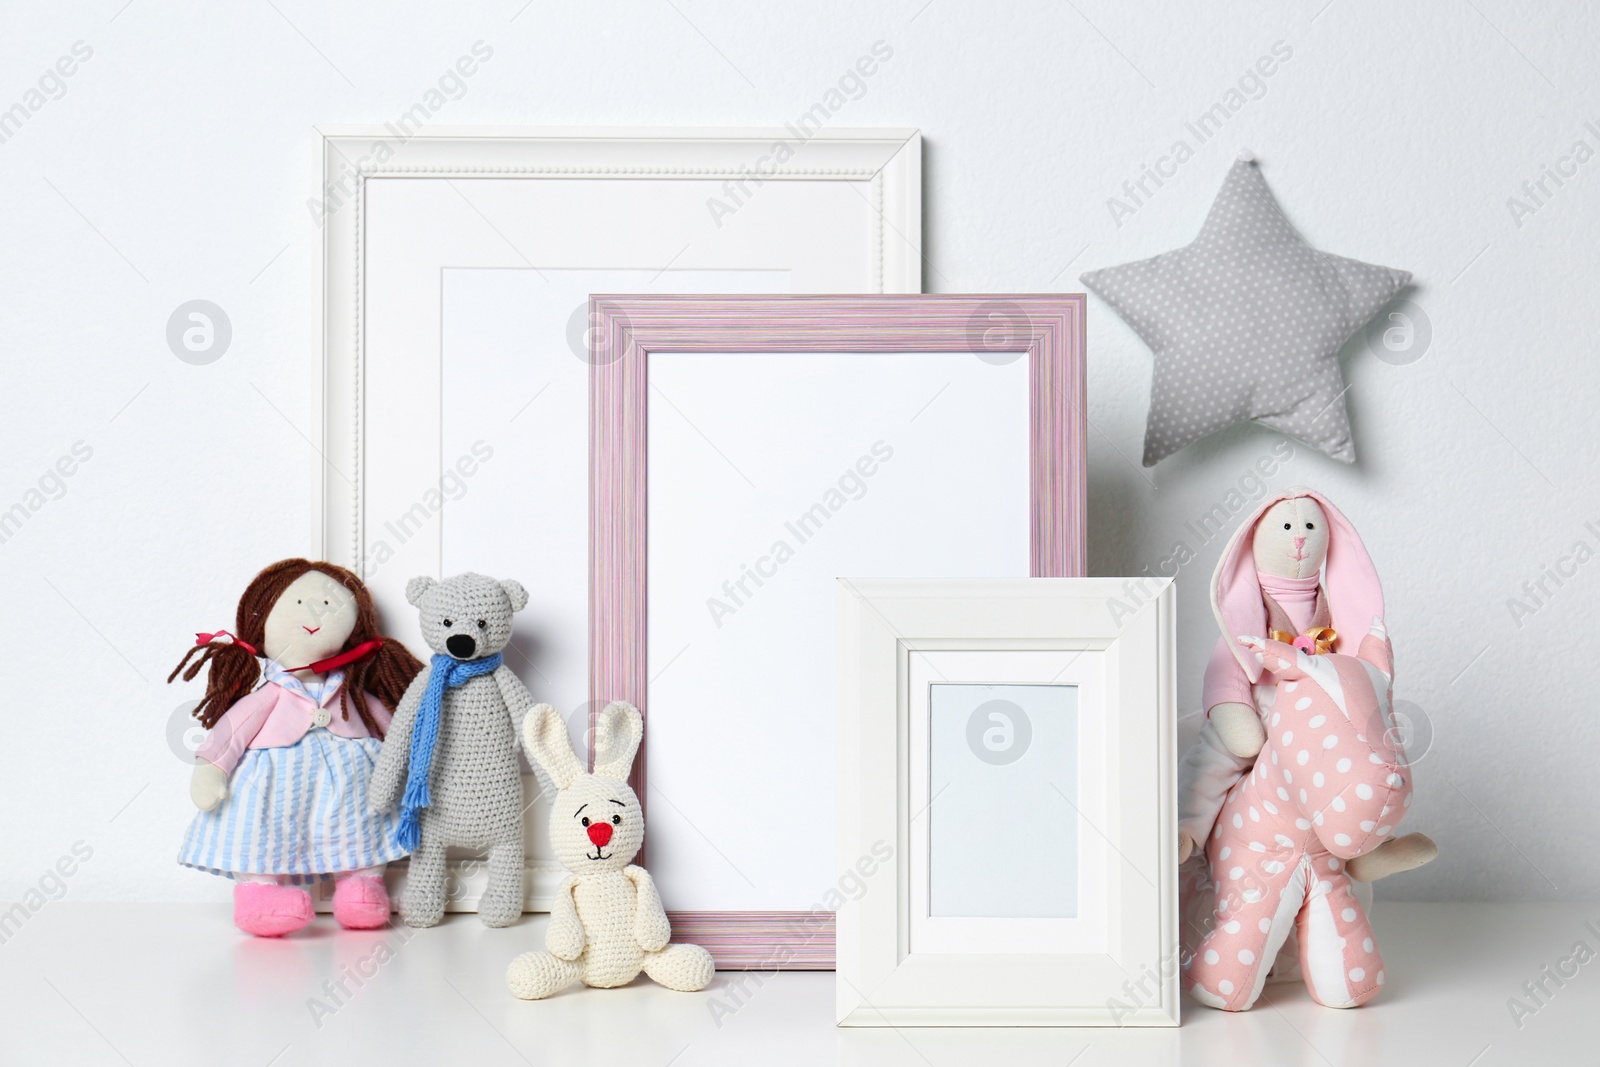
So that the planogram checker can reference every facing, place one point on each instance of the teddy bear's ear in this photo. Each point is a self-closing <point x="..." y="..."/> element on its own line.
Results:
<point x="545" y="735"/>
<point x="616" y="740"/>
<point x="518" y="595"/>
<point x="416" y="588"/>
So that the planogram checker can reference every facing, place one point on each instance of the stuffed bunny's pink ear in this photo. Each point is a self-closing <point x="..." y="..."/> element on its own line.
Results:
<point x="1355" y="597"/>
<point x="1236" y="591"/>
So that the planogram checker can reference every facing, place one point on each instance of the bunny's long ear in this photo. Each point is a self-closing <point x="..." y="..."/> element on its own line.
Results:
<point x="616" y="740"/>
<point x="544" y="733"/>
<point x="1355" y="596"/>
<point x="1236" y="591"/>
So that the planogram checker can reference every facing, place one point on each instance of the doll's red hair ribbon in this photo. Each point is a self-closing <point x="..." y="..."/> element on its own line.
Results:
<point x="321" y="666"/>
<point x="206" y="639"/>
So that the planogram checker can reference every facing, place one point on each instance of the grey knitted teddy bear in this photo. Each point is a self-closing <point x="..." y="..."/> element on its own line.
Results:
<point x="450" y="756"/>
<point x="606" y="922"/>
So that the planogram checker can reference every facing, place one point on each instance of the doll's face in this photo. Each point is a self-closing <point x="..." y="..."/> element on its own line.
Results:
<point x="1291" y="540"/>
<point x="312" y="620"/>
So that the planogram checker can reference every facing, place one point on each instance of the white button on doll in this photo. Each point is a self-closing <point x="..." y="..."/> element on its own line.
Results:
<point x="297" y="702"/>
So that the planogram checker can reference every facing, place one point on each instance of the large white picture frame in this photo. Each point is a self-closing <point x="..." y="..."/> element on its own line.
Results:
<point x="455" y="397"/>
<point x="1105" y="953"/>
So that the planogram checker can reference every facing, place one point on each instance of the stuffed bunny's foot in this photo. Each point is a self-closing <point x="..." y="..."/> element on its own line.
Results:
<point x="270" y="910"/>
<point x="536" y="975"/>
<point x="360" y="902"/>
<point x="686" y="968"/>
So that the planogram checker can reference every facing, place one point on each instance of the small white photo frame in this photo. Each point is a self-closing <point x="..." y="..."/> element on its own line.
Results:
<point x="1009" y="745"/>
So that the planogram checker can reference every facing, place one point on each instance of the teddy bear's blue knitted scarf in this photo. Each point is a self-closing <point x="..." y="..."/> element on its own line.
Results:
<point x="446" y="672"/>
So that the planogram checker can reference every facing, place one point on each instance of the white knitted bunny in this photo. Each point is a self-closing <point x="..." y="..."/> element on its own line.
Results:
<point x="606" y="923"/>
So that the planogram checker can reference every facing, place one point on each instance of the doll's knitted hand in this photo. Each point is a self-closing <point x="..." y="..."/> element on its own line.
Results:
<point x="209" y="786"/>
<point x="565" y="937"/>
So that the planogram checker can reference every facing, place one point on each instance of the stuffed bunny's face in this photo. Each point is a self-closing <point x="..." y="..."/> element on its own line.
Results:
<point x="596" y="823"/>
<point x="468" y="616"/>
<point x="1291" y="539"/>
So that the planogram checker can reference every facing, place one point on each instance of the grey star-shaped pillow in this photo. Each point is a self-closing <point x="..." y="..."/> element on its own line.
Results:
<point x="1246" y="322"/>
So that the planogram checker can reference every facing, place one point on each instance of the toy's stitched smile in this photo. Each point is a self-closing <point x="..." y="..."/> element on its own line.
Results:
<point x="598" y="855"/>
<point x="310" y="630"/>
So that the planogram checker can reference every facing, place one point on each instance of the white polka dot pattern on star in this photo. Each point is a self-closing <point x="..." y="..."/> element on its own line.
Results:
<point x="1246" y="322"/>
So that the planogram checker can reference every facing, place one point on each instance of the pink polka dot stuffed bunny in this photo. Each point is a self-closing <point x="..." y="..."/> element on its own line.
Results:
<point x="1297" y="573"/>
<point x="1330" y="784"/>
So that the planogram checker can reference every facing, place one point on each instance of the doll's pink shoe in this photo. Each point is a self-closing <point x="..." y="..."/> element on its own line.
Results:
<point x="270" y="910"/>
<point x="360" y="902"/>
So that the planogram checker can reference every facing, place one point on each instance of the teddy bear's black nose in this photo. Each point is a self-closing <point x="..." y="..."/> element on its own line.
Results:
<point x="461" y="646"/>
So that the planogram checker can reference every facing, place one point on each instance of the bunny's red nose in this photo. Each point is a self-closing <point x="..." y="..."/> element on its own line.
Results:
<point x="600" y="834"/>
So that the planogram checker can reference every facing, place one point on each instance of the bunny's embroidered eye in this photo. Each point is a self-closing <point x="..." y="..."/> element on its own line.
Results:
<point x="616" y="820"/>
<point x="482" y="625"/>
<point x="1287" y="525"/>
<point x="585" y="820"/>
<point x="1311" y="526"/>
<point x="447" y="622"/>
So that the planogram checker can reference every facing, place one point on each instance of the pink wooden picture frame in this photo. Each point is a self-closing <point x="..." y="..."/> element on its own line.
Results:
<point x="1048" y="329"/>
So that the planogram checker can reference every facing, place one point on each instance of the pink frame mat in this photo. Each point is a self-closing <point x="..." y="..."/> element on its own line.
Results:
<point x="1048" y="329"/>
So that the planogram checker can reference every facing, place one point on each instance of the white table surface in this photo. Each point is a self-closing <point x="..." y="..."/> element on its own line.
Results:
<point x="176" y="984"/>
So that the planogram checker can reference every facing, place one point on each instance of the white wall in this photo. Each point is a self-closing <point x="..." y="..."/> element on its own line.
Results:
<point x="179" y="160"/>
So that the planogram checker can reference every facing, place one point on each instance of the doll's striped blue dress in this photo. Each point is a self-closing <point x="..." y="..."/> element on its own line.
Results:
<point x="298" y="811"/>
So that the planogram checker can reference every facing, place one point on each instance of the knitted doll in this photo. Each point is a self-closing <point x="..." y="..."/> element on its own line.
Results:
<point x="453" y="748"/>
<point x="297" y="701"/>
<point x="606" y="922"/>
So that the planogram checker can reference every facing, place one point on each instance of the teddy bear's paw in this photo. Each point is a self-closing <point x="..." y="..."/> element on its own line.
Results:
<point x="499" y="910"/>
<point x="421" y="911"/>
